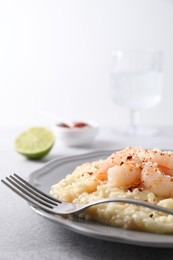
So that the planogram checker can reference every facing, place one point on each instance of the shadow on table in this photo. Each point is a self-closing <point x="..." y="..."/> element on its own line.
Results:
<point x="95" y="146"/>
<point x="89" y="248"/>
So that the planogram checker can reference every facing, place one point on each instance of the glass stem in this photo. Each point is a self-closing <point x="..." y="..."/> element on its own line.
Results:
<point x="133" y="124"/>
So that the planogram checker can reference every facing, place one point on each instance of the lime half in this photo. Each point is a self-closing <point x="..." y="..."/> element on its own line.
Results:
<point x="35" y="142"/>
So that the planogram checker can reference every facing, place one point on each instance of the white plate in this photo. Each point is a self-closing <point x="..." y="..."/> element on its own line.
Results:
<point x="57" y="169"/>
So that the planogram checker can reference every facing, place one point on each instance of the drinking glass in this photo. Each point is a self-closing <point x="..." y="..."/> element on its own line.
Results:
<point x="136" y="83"/>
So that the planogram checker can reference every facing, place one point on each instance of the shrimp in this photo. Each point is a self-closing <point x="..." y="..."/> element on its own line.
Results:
<point x="116" y="159"/>
<point x="128" y="174"/>
<point x="156" y="181"/>
<point x="164" y="160"/>
<point x="122" y="168"/>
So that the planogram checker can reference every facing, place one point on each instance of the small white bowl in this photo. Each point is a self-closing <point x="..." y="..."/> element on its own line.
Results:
<point x="75" y="136"/>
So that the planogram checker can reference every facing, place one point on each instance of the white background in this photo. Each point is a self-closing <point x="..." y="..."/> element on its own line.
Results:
<point x="55" y="55"/>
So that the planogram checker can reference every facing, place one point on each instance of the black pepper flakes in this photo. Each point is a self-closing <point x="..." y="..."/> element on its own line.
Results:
<point x="129" y="157"/>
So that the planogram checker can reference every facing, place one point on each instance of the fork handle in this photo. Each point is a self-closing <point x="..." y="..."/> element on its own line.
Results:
<point x="131" y="201"/>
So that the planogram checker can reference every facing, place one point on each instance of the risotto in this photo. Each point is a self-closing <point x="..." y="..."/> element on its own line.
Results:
<point x="135" y="173"/>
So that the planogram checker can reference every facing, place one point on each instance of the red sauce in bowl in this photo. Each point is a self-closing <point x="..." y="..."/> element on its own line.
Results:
<point x="74" y="125"/>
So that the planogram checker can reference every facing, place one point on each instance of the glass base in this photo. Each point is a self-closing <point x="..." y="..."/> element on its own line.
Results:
<point x="137" y="131"/>
<point x="142" y="131"/>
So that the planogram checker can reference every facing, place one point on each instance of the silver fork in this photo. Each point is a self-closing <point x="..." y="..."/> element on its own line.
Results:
<point x="43" y="201"/>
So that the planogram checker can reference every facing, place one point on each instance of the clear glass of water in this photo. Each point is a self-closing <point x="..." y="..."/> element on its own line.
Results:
<point x="136" y="83"/>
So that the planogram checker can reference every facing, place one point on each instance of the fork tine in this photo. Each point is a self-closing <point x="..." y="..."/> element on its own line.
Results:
<point x="26" y="197"/>
<point x="35" y="189"/>
<point x="31" y="189"/>
<point x="28" y="193"/>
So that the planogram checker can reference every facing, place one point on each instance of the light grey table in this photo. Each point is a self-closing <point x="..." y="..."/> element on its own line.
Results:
<point x="25" y="235"/>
